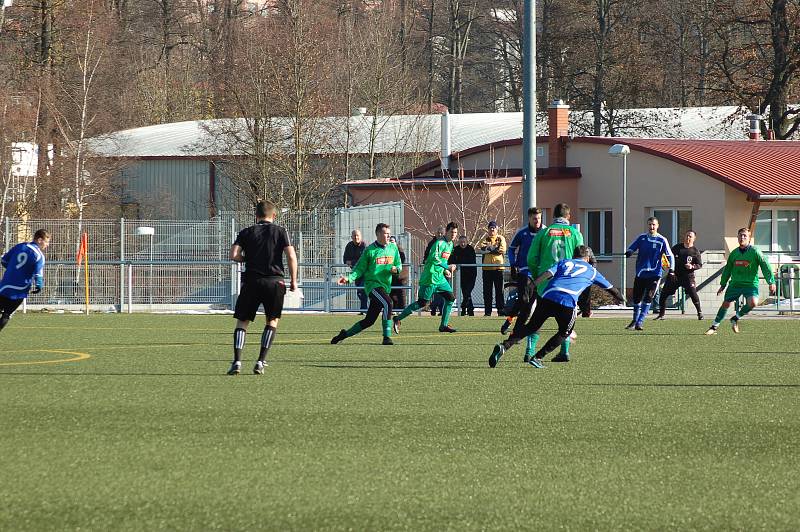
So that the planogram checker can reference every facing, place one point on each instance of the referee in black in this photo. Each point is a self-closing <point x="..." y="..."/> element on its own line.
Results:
<point x="687" y="260"/>
<point x="261" y="248"/>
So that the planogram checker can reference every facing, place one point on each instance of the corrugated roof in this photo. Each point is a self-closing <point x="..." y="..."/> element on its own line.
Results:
<point x="756" y="167"/>
<point x="408" y="133"/>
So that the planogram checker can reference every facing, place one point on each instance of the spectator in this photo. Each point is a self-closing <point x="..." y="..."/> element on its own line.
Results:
<point x="398" y="295"/>
<point x="493" y="248"/>
<point x="352" y="252"/>
<point x="464" y="254"/>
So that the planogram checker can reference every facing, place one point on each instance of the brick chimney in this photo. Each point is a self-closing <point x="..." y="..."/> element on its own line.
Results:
<point x="755" y="126"/>
<point x="558" y="124"/>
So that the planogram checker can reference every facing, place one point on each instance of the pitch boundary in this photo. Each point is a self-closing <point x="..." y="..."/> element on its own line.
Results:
<point x="77" y="356"/>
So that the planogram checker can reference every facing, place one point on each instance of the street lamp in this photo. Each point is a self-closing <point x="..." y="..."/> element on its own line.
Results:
<point x="622" y="150"/>
<point x="148" y="231"/>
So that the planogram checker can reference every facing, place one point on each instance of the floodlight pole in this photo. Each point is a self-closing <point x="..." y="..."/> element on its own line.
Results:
<point x="622" y="150"/>
<point x="529" y="108"/>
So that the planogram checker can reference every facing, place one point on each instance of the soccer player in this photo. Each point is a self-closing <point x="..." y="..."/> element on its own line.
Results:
<point x="742" y="272"/>
<point x="687" y="260"/>
<point x="557" y="241"/>
<point x="433" y="280"/>
<point x="379" y="261"/>
<point x="565" y="281"/>
<point x="518" y="258"/>
<point x="24" y="264"/>
<point x="261" y="248"/>
<point x="651" y="246"/>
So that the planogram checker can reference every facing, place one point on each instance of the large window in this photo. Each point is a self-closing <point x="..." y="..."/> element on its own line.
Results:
<point x="777" y="231"/>
<point x="673" y="223"/>
<point x="599" y="231"/>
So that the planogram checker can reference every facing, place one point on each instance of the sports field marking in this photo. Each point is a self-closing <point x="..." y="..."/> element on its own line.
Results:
<point x="77" y="356"/>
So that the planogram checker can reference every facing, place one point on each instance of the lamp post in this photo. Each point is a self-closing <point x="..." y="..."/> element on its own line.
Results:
<point x="148" y="231"/>
<point x="622" y="150"/>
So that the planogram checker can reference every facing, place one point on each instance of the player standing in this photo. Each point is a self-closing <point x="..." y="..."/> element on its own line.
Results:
<point x="379" y="261"/>
<point x="433" y="280"/>
<point x="24" y="264"/>
<point x="567" y="280"/>
<point x="741" y="270"/>
<point x="651" y="246"/>
<point x="261" y="248"/>
<point x="518" y="258"/>
<point x="555" y="242"/>
<point x="687" y="260"/>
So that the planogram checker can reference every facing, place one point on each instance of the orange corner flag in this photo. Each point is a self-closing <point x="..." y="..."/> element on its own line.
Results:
<point x="83" y="248"/>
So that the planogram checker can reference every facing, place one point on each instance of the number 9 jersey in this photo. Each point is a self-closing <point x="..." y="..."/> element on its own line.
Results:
<point x="24" y="264"/>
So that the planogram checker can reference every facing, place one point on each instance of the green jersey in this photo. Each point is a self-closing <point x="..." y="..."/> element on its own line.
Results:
<point x="375" y="266"/>
<point x="742" y="268"/>
<point x="550" y="245"/>
<point x="436" y="263"/>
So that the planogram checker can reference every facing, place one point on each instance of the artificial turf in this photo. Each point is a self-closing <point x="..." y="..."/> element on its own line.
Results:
<point x="665" y="429"/>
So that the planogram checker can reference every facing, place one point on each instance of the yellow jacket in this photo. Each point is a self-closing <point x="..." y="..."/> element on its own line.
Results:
<point x="494" y="250"/>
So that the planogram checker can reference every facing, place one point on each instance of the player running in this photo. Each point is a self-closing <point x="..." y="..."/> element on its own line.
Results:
<point x="567" y="280"/>
<point x="433" y="280"/>
<point x="557" y="241"/>
<point x="24" y="264"/>
<point x="651" y="246"/>
<point x="742" y="272"/>
<point x="378" y="262"/>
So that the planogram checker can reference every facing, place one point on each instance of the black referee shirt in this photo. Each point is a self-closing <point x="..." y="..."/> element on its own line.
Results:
<point x="262" y="246"/>
<point x="684" y="256"/>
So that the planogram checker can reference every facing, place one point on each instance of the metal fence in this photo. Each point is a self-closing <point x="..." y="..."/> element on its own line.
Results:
<point x="184" y="263"/>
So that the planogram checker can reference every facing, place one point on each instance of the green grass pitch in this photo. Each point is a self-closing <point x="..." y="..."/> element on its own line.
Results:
<point x="141" y="430"/>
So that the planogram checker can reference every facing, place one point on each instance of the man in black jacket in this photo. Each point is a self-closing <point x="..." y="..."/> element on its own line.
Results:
<point x="463" y="253"/>
<point x="352" y="252"/>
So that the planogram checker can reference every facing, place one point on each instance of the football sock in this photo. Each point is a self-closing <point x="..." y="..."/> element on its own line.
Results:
<point x="446" y="309"/>
<point x="720" y="315"/>
<point x="530" y="347"/>
<point x="387" y="327"/>
<point x="413" y="307"/>
<point x="354" y="330"/>
<point x="267" y="338"/>
<point x="644" y="309"/>
<point x="636" y="308"/>
<point x="551" y="344"/>
<point x="744" y="310"/>
<point x="565" y="346"/>
<point x="239" y="335"/>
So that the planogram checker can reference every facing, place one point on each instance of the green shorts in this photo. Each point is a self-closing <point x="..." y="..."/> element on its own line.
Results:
<point x="735" y="292"/>
<point x="426" y="291"/>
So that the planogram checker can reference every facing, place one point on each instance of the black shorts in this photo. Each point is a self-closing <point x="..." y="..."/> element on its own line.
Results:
<point x="8" y="306"/>
<point x="645" y="288"/>
<point x="547" y="308"/>
<point x="267" y="291"/>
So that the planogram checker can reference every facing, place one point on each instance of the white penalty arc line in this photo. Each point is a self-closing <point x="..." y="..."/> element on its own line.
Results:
<point x="76" y="356"/>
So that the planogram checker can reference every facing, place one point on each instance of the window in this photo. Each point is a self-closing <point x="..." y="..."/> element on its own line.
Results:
<point x="599" y="231"/>
<point x="777" y="231"/>
<point x="673" y="223"/>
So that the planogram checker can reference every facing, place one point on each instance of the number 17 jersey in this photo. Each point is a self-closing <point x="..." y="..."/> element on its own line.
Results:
<point x="570" y="278"/>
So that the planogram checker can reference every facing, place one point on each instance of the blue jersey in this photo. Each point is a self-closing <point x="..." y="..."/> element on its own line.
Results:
<point x="570" y="278"/>
<point x="651" y="248"/>
<point x="23" y="263"/>
<point x="518" y="249"/>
